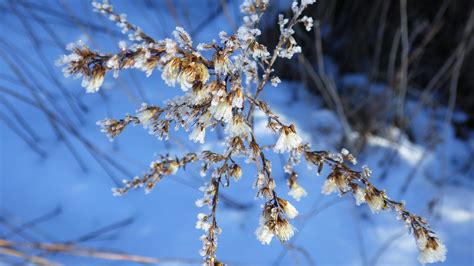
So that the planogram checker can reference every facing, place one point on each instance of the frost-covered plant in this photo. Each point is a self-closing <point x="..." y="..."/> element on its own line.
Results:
<point x="223" y="90"/>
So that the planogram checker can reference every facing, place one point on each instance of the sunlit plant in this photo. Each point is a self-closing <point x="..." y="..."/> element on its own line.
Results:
<point x="223" y="90"/>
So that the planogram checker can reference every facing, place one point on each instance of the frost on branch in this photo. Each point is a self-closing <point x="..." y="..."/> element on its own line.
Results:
<point x="223" y="91"/>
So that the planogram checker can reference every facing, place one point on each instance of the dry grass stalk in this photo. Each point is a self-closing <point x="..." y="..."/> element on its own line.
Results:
<point x="223" y="91"/>
<point x="11" y="248"/>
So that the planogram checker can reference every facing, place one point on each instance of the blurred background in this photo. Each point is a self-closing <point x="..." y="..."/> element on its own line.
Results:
<point x="390" y="80"/>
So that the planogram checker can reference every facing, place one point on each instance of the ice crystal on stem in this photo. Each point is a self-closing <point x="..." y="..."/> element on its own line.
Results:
<point x="223" y="91"/>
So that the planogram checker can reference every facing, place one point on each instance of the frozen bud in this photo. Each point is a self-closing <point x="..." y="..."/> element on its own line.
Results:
<point x="171" y="47"/>
<point x="223" y="110"/>
<point x="367" y="171"/>
<point x="375" y="199"/>
<point x="400" y="207"/>
<point x="288" y="140"/>
<point x="289" y="209"/>
<point x="122" y="45"/>
<point x="338" y="157"/>
<point x="238" y="98"/>
<point x="348" y="156"/>
<point x="102" y="8"/>
<point x="265" y="192"/>
<point x="222" y="64"/>
<point x="205" y="246"/>
<point x="192" y="72"/>
<point x="236" y="172"/>
<point x="268" y="165"/>
<point x="202" y="216"/>
<point x="198" y="134"/>
<point x="237" y="144"/>
<point x="264" y="234"/>
<point x="421" y="237"/>
<point x="205" y="46"/>
<point x="200" y="93"/>
<point x="430" y="247"/>
<point x="203" y="172"/>
<point x="359" y="194"/>
<point x="341" y="181"/>
<point x="307" y="22"/>
<point x="290" y="48"/>
<point x="204" y="187"/>
<point x="201" y="202"/>
<point x="259" y="50"/>
<point x="202" y="222"/>
<point x="297" y="191"/>
<point x="171" y="71"/>
<point x="352" y="159"/>
<point x="151" y="184"/>
<point x="93" y="81"/>
<point x="218" y="91"/>
<point x="282" y="21"/>
<point x="271" y="184"/>
<point x="294" y="6"/>
<point x="182" y="37"/>
<point x="223" y="36"/>
<point x="284" y="230"/>
<point x="260" y="181"/>
<point x="329" y="186"/>
<point x="432" y="255"/>
<point x="113" y="62"/>
<point x="255" y="149"/>
<point x="148" y="65"/>
<point x="147" y="114"/>
<point x="238" y="127"/>
<point x="205" y="119"/>
<point x="172" y="168"/>
<point x="275" y="81"/>
<point x="271" y="124"/>
<point x="305" y="3"/>
<point x="118" y="191"/>
<point x="112" y="127"/>
<point x="345" y="152"/>
<point x="252" y="6"/>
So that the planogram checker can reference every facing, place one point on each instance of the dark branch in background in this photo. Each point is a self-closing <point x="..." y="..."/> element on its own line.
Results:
<point x="22" y="249"/>
<point x="20" y="119"/>
<point x="74" y="105"/>
<point x="31" y="143"/>
<point x="32" y="245"/>
<point x="32" y="223"/>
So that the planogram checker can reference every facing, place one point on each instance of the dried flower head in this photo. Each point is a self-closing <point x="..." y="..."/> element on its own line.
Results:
<point x="288" y="140"/>
<point x="216" y="92"/>
<point x="296" y="191"/>
<point x="289" y="209"/>
<point x="238" y="127"/>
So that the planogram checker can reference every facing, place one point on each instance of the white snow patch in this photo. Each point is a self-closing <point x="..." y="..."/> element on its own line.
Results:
<point x="410" y="152"/>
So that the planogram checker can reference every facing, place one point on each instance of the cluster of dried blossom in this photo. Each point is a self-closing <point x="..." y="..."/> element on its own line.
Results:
<point x="224" y="91"/>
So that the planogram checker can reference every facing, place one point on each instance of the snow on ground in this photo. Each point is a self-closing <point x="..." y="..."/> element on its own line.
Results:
<point x="331" y="230"/>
